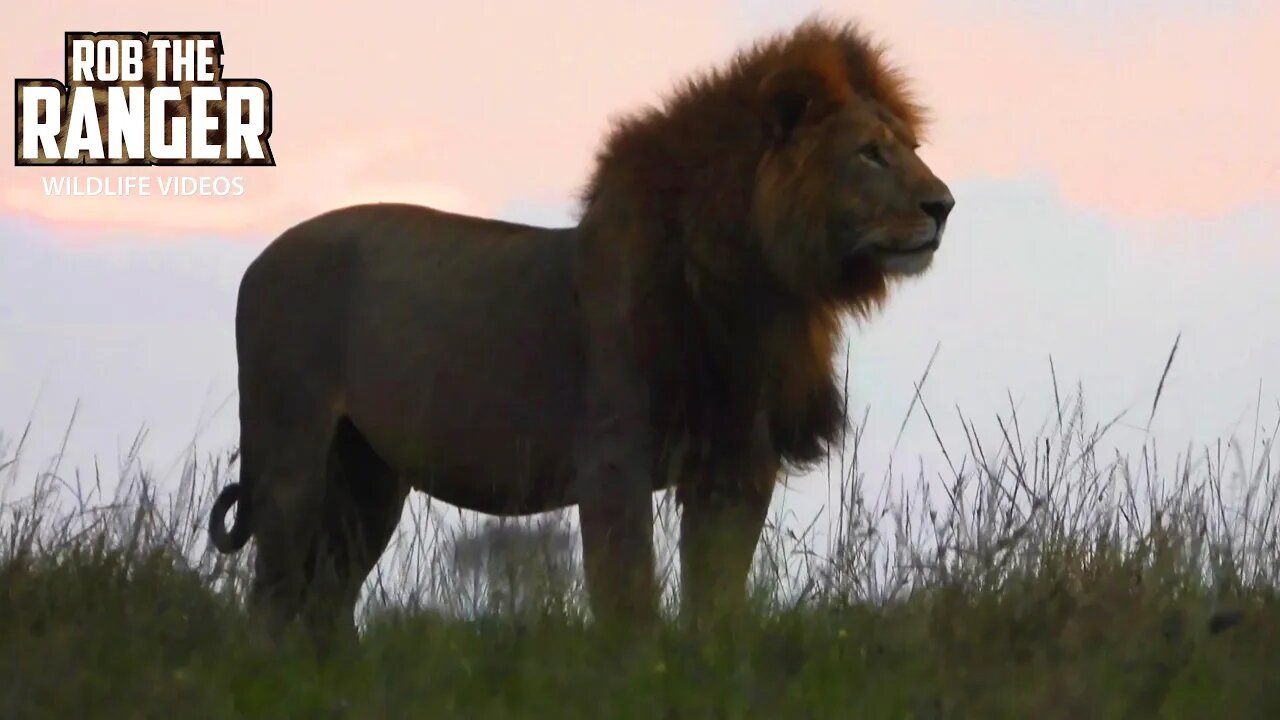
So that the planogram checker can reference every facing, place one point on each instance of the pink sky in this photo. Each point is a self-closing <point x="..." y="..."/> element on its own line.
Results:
<point x="1157" y="114"/>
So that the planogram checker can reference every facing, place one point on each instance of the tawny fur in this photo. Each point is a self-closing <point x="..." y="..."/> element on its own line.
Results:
<point x="683" y="334"/>
<point x="694" y="162"/>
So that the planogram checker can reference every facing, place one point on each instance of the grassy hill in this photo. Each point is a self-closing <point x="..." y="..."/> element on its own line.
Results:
<point x="1032" y="578"/>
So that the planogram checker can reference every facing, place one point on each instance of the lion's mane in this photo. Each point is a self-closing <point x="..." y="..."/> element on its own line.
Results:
<point x="676" y="185"/>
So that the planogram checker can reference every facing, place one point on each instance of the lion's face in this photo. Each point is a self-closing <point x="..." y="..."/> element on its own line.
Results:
<point x="842" y="200"/>
<point x="884" y="202"/>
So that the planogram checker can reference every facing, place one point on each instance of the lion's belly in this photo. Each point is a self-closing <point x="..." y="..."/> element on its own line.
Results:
<point x="503" y="449"/>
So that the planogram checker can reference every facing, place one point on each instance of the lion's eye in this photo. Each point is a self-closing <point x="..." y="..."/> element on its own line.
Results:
<point x="871" y="153"/>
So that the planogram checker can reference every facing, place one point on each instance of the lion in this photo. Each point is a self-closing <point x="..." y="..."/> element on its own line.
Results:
<point x="682" y="335"/>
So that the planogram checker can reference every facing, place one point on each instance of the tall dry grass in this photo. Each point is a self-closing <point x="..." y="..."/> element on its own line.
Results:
<point x="1033" y="573"/>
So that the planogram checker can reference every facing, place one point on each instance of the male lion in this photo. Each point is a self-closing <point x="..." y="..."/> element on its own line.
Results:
<point x="681" y="335"/>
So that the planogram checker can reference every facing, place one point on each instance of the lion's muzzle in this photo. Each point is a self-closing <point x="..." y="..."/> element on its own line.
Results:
<point x="938" y="210"/>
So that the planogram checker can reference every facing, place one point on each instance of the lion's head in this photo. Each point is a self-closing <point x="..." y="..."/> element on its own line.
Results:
<point x="841" y="199"/>
<point x="739" y="219"/>
<point x="798" y="161"/>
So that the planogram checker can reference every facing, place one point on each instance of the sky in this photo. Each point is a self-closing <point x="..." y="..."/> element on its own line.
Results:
<point x="1116" y="167"/>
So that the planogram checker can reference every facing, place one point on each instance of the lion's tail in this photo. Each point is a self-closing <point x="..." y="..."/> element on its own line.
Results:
<point x="229" y="541"/>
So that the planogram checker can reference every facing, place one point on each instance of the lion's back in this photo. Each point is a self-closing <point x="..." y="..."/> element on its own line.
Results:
<point x="440" y="334"/>
<point x="390" y="263"/>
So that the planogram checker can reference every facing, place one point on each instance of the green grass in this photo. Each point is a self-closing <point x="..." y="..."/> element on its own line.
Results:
<point x="1034" y="578"/>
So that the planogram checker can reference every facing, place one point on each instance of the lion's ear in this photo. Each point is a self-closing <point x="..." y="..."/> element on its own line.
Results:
<point x="795" y="97"/>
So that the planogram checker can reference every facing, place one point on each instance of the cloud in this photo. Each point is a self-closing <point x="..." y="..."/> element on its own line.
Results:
<point x="1028" y="277"/>
<point x="130" y="334"/>
<point x="143" y="332"/>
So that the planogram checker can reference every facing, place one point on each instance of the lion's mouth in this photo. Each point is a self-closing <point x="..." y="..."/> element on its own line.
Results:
<point x="925" y="247"/>
<point x="888" y="260"/>
<point x="874" y="255"/>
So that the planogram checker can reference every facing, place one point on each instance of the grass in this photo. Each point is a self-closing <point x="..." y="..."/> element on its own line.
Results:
<point x="1034" y="577"/>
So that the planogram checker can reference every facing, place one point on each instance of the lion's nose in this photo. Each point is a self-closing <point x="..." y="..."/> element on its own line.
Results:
<point x="939" y="209"/>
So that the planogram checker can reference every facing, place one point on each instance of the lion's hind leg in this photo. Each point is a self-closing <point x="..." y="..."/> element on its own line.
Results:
<point x="363" y="502"/>
<point x="287" y="497"/>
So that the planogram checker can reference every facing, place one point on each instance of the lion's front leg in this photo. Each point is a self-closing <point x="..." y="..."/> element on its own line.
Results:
<point x="614" y="487"/>
<point x="722" y="517"/>
<point x="614" y="448"/>
<point x="720" y="527"/>
<point x="617" y="552"/>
